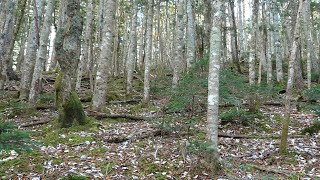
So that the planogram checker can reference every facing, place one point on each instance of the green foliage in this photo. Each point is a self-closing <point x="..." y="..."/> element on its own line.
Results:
<point x="12" y="138"/>
<point x="245" y="117"/>
<point x="14" y="108"/>
<point x="191" y="92"/>
<point x="312" y="94"/>
<point x="53" y="134"/>
<point x="313" y="129"/>
<point x="233" y="88"/>
<point x="46" y="98"/>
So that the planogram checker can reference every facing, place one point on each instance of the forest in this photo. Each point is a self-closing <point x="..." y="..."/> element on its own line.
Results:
<point x="159" y="89"/>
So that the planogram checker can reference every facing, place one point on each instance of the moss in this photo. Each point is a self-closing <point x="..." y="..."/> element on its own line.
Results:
<point x="58" y="88"/>
<point x="26" y="162"/>
<point x="70" y="110"/>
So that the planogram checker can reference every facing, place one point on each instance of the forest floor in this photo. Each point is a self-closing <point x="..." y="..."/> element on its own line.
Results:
<point x="150" y="148"/>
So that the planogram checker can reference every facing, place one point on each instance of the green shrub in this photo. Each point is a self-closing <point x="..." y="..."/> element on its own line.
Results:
<point x="312" y="94"/>
<point x="12" y="138"/>
<point x="313" y="129"/>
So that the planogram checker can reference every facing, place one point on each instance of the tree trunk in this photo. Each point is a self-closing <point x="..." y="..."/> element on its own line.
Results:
<point x="100" y="90"/>
<point x="191" y="49"/>
<point x="42" y="53"/>
<point x="308" y="39"/>
<point x="5" y="41"/>
<point x="83" y="65"/>
<point x="277" y="44"/>
<point x="68" y="46"/>
<point x="178" y="58"/>
<point x="28" y="64"/>
<point x="235" y="56"/>
<point x="213" y="82"/>
<point x="290" y="82"/>
<point x="148" y="55"/>
<point x="132" y="51"/>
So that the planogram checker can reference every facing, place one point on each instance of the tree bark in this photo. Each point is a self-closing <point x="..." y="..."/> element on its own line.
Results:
<point x="178" y="57"/>
<point x="213" y="81"/>
<point x="100" y="91"/>
<point x="68" y="46"/>
<point x="42" y="53"/>
<point x="191" y="49"/>
<point x="31" y="52"/>
<point x="148" y="55"/>
<point x="132" y="51"/>
<point x="83" y="65"/>
<point x="5" y="41"/>
<point x="291" y="75"/>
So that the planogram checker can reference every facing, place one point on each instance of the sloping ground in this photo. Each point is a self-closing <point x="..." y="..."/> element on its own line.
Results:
<point x="88" y="151"/>
<point x="161" y="146"/>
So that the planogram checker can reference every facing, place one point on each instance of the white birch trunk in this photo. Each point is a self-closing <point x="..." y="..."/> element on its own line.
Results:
<point x="308" y="38"/>
<point x="28" y="64"/>
<point x="213" y="81"/>
<point x="100" y="91"/>
<point x="42" y="52"/>
<point x="191" y="49"/>
<point x="178" y="58"/>
<point x="132" y="51"/>
<point x="277" y="44"/>
<point x="83" y="65"/>
<point x="148" y="55"/>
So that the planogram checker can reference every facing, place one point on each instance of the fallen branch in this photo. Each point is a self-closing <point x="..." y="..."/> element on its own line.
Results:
<point x="286" y="173"/>
<point x="133" y="137"/>
<point x="46" y="107"/>
<point x="125" y="101"/>
<point x="36" y="123"/>
<point x="240" y="136"/>
<point x="100" y="116"/>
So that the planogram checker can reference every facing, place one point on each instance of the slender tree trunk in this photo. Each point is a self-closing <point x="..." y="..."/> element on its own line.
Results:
<point x="277" y="44"/>
<point x="83" y="65"/>
<point x="290" y="82"/>
<point x="100" y="90"/>
<point x="235" y="56"/>
<point x="31" y="52"/>
<point x="308" y="39"/>
<point x="132" y="51"/>
<point x="241" y="28"/>
<point x="207" y="26"/>
<point x="178" y="58"/>
<point x="148" y="56"/>
<point x="42" y="53"/>
<point x="143" y="40"/>
<point x="213" y="82"/>
<point x="191" y="49"/>
<point x="5" y="41"/>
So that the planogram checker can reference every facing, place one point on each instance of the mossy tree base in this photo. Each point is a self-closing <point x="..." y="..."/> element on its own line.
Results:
<point x="68" y="103"/>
